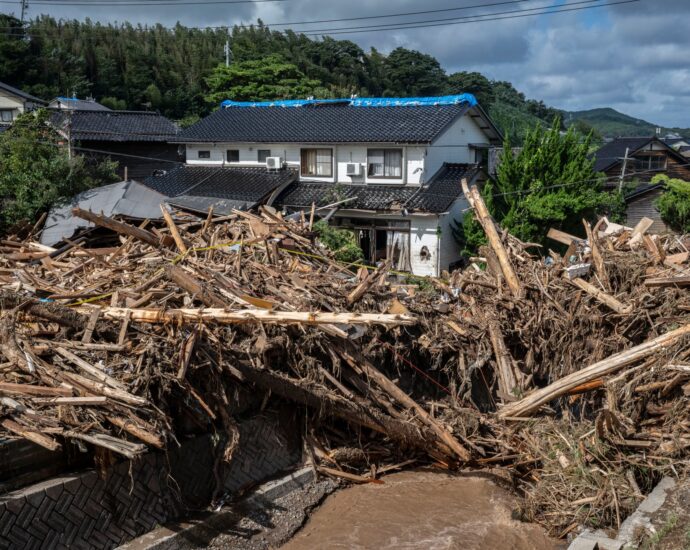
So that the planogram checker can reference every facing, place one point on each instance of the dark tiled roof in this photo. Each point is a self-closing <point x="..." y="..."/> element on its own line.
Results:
<point x="20" y="93"/>
<point x="643" y="189"/>
<point x="324" y="124"/>
<point x="612" y="152"/>
<point x="436" y="196"/>
<point x="236" y="186"/>
<point x="115" y="125"/>
<point x="364" y="197"/>
<point x="444" y="187"/>
<point x="74" y="104"/>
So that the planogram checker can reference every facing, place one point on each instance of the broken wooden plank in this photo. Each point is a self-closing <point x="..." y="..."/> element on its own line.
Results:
<point x="406" y="401"/>
<point x="221" y="316"/>
<point x="639" y="230"/>
<point x="510" y="379"/>
<point x="8" y="388"/>
<point x="668" y="281"/>
<point x="179" y="242"/>
<point x="562" y="237"/>
<point x="89" y="400"/>
<point x="125" y="448"/>
<point x="489" y="226"/>
<point x="536" y="399"/>
<point x="117" y="226"/>
<point x="602" y="296"/>
<point x="32" y="435"/>
<point x="88" y="368"/>
<point x="137" y="431"/>
<point x="367" y="282"/>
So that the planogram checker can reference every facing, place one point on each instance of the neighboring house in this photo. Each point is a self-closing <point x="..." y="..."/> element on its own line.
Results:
<point x="138" y="140"/>
<point x="390" y="168"/>
<point x="637" y="160"/>
<point x="14" y="102"/>
<point x="128" y="199"/>
<point x="74" y="104"/>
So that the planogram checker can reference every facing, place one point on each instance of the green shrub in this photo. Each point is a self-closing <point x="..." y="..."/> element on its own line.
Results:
<point x="342" y="242"/>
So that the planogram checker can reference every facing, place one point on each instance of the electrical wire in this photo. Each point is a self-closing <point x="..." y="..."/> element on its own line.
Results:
<point x="383" y="26"/>
<point x="487" y="19"/>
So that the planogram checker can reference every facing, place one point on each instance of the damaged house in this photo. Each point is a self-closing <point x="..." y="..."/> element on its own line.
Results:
<point x="630" y="164"/>
<point x="388" y="169"/>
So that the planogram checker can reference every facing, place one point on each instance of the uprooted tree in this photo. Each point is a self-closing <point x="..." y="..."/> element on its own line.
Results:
<point x="549" y="182"/>
<point x="36" y="171"/>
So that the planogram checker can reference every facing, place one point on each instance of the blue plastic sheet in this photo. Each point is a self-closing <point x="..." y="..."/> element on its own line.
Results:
<point x="360" y="101"/>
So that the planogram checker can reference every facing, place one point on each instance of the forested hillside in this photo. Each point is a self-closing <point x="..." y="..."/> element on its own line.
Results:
<point x="610" y="123"/>
<point x="181" y="71"/>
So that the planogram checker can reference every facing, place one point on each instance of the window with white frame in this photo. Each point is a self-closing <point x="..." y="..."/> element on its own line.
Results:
<point x="6" y="115"/>
<point x="316" y="162"/>
<point x="384" y="163"/>
<point x="204" y="154"/>
<point x="262" y="155"/>
<point x="233" y="155"/>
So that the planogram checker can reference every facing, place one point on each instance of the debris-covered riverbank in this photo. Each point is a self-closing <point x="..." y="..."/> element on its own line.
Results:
<point x="570" y="372"/>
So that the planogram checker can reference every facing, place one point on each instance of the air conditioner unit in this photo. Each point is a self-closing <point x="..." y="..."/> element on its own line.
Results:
<point x="274" y="163"/>
<point x="353" y="169"/>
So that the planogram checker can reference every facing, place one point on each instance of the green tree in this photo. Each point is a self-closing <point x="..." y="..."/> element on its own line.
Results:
<point x="473" y="83"/>
<point x="261" y="79"/>
<point x="674" y="203"/>
<point x="550" y="182"/>
<point x="412" y="73"/>
<point x="35" y="171"/>
<point x="342" y="242"/>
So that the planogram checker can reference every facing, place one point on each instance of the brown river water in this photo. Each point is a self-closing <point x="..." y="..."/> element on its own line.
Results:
<point x="420" y="510"/>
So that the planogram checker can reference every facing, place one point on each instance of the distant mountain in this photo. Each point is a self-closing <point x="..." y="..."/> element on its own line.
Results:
<point x="611" y="123"/>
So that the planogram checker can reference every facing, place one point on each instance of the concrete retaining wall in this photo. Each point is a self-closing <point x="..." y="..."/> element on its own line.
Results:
<point x="86" y="511"/>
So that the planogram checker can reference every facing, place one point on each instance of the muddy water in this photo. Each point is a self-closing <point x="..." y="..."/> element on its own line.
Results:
<point x="420" y="511"/>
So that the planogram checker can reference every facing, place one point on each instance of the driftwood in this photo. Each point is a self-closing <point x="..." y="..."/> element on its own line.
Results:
<point x="602" y="296"/>
<point x="536" y="399"/>
<point x="489" y="226"/>
<point x="221" y="316"/>
<point x="117" y="226"/>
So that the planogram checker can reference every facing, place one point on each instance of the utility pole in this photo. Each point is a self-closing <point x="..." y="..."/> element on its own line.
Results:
<point x="25" y="8"/>
<point x="625" y="165"/>
<point x="228" y="53"/>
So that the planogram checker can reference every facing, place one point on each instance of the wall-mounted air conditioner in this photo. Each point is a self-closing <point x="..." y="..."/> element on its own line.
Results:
<point x="274" y="163"/>
<point x="353" y="169"/>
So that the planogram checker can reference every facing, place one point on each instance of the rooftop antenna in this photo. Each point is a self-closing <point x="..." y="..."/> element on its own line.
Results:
<point x="25" y="8"/>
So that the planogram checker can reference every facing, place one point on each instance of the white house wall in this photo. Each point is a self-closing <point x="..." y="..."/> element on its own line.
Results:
<point x="10" y="102"/>
<point x="413" y="159"/>
<point x="453" y="145"/>
<point x="449" y="248"/>
<point x="424" y="232"/>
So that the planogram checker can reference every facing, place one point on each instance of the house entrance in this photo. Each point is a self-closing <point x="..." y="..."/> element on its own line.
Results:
<point x="381" y="240"/>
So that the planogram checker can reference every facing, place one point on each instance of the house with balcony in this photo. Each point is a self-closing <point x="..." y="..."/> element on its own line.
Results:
<point x="389" y="169"/>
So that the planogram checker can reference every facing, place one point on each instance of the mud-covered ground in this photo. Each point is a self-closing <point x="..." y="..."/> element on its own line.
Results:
<point x="269" y="524"/>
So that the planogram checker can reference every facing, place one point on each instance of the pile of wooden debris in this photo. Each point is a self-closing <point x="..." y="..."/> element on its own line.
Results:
<point x="139" y="344"/>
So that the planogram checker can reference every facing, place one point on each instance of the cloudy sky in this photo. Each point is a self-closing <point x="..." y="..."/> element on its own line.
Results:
<point x="634" y="56"/>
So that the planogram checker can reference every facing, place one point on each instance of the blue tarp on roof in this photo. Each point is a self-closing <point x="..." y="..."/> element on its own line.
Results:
<point x="361" y="102"/>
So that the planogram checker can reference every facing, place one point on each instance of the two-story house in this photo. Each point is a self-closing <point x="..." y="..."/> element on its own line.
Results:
<point x="636" y="160"/>
<point x="389" y="169"/>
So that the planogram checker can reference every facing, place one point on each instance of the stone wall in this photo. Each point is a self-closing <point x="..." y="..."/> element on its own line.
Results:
<point x="86" y="511"/>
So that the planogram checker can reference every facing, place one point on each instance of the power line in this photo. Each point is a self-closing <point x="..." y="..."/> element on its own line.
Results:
<point x="383" y="26"/>
<point x="478" y="19"/>
<point x="424" y="12"/>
